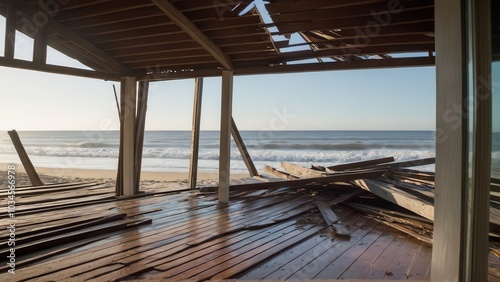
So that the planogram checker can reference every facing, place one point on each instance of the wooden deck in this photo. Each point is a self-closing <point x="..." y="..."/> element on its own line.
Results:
<point x="79" y="232"/>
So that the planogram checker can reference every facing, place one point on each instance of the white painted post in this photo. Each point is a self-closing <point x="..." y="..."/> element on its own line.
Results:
<point x="225" y="136"/>
<point x="448" y="203"/>
<point x="461" y="214"/>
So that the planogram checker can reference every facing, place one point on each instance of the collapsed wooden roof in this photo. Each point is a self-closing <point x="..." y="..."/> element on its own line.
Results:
<point x="160" y="39"/>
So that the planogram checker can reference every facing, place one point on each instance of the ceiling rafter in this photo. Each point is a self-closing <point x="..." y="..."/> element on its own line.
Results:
<point x="165" y="74"/>
<point x="78" y="40"/>
<point x="194" y="32"/>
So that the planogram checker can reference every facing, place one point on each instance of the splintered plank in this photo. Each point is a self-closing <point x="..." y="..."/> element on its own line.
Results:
<point x="361" y="164"/>
<point x="75" y="235"/>
<point x="25" y="160"/>
<point x="331" y="219"/>
<point x="300" y="170"/>
<point x="417" y="190"/>
<point x="412" y="163"/>
<point x="398" y="197"/>
<point x="28" y="237"/>
<point x="405" y="229"/>
<point x="45" y="255"/>
<point x="299" y="183"/>
<point x="278" y="173"/>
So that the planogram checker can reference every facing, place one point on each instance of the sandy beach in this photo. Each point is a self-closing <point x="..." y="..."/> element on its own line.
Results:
<point x="149" y="179"/>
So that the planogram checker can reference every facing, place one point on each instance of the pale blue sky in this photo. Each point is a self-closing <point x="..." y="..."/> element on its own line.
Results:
<point x="371" y="99"/>
<point x="381" y="99"/>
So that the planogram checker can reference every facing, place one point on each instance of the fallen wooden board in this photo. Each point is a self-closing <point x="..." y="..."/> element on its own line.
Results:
<point x="411" y="163"/>
<point x="414" y="189"/>
<point x="25" y="160"/>
<point x="361" y="164"/>
<point x="300" y="170"/>
<point x="332" y="219"/>
<point x="341" y="177"/>
<point x="278" y="173"/>
<point x="392" y="194"/>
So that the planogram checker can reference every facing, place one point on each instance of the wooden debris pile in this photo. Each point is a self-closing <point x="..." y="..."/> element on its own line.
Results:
<point x="399" y="197"/>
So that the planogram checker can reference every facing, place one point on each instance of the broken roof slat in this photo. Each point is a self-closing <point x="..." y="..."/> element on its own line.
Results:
<point x="362" y="23"/>
<point x="334" y="13"/>
<point x="113" y="36"/>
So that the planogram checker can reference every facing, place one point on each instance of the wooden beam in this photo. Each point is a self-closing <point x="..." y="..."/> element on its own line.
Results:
<point x="40" y="44"/>
<point x="78" y="40"/>
<point x="21" y="64"/>
<point x="360" y="164"/>
<point x="399" y="197"/>
<point x="278" y="173"/>
<point x="301" y="183"/>
<point x="128" y="110"/>
<point x="243" y="150"/>
<point x="140" y="125"/>
<point x="187" y="26"/>
<point x="310" y="67"/>
<point x="25" y="160"/>
<point x="195" y="133"/>
<point x="225" y="136"/>
<point x="10" y="29"/>
<point x="332" y="219"/>
<point x="397" y="165"/>
<point x="300" y="170"/>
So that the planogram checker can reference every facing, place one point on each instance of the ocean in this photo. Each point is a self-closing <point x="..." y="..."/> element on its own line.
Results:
<point x="170" y="150"/>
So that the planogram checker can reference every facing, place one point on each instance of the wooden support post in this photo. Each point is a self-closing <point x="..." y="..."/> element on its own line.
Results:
<point x="140" y="126"/>
<point x="479" y="209"/>
<point x="127" y="135"/>
<point x="243" y="149"/>
<point x="225" y="136"/>
<point x="195" y="133"/>
<point x="25" y="160"/>
<point x="10" y="29"/>
<point x="119" y="178"/>
<point x="40" y="46"/>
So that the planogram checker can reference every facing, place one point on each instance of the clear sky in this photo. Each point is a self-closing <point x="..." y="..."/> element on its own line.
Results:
<point x="381" y="99"/>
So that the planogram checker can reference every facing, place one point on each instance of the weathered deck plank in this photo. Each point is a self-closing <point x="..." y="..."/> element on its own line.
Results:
<point x="257" y="236"/>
